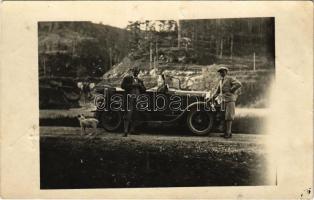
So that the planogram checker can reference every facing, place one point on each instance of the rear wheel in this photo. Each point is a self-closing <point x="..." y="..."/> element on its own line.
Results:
<point x="111" y="120"/>
<point x="200" y="122"/>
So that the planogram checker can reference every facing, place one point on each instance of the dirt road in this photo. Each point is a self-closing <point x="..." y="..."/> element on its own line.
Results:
<point x="248" y="121"/>
<point x="242" y="142"/>
<point x="151" y="159"/>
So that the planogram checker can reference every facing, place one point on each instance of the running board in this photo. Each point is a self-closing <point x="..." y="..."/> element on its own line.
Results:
<point x="158" y="122"/>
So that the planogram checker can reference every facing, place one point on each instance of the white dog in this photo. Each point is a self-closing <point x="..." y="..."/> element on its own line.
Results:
<point x="87" y="122"/>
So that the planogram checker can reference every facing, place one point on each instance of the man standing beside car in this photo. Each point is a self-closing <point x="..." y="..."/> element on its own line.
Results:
<point x="133" y="87"/>
<point x="226" y="95"/>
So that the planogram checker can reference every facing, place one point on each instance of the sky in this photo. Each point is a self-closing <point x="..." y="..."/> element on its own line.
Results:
<point x="115" y="23"/>
<point x="123" y="23"/>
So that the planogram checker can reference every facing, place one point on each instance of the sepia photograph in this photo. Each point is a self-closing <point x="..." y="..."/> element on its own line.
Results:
<point x="156" y="100"/>
<point x="155" y="103"/>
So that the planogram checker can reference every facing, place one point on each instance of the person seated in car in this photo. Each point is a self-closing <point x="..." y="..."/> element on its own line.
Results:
<point x="162" y="86"/>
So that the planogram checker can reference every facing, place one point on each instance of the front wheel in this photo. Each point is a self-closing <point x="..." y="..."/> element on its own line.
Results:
<point x="200" y="122"/>
<point x="111" y="120"/>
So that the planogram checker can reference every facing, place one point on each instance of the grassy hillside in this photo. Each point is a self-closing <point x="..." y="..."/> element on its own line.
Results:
<point x="79" y="49"/>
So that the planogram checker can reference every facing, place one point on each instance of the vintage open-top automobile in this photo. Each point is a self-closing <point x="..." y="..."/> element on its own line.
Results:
<point x="172" y="104"/>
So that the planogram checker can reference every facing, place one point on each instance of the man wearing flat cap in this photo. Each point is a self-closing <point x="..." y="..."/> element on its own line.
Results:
<point x="226" y="95"/>
<point x="133" y="87"/>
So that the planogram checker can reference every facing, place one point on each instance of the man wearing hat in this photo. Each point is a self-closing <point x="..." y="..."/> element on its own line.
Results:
<point x="133" y="87"/>
<point x="226" y="95"/>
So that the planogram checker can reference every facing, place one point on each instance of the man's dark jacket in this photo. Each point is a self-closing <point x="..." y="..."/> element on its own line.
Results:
<point x="130" y="86"/>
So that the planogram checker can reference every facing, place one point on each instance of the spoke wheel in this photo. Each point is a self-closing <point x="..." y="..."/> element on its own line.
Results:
<point x="111" y="120"/>
<point x="200" y="122"/>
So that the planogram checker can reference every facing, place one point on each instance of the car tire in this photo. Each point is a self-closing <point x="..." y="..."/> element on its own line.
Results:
<point x="111" y="120"/>
<point x="200" y="122"/>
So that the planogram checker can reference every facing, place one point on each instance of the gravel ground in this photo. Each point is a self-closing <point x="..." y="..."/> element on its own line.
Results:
<point x="153" y="159"/>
